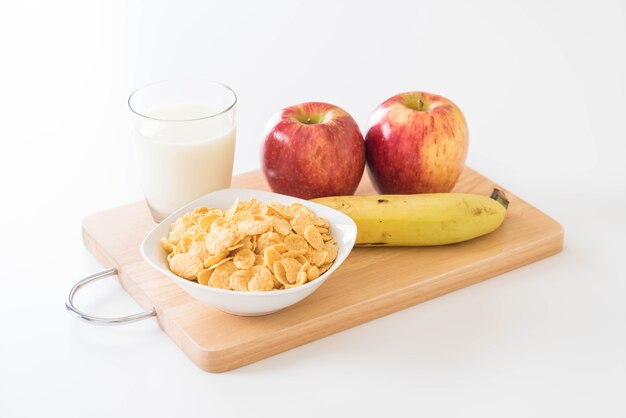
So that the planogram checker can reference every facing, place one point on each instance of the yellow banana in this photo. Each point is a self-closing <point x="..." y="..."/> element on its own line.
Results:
<point x="421" y="219"/>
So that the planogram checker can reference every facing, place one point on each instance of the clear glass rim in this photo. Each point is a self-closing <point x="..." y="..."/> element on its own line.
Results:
<point x="204" y="80"/>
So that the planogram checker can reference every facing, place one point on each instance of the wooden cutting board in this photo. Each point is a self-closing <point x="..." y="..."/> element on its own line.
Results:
<point x="371" y="283"/>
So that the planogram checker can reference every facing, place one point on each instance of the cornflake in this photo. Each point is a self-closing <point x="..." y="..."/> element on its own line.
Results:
<point x="251" y="247"/>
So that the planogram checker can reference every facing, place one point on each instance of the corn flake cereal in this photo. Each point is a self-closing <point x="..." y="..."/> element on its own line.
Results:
<point x="270" y="256"/>
<point x="313" y="237"/>
<point x="261" y="279"/>
<point x="186" y="266"/>
<point x="266" y="240"/>
<point x="332" y="250"/>
<point x="204" y="276"/>
<point x="214" y="259"/>
<point x="313" y="273"/>
<point x="301" y="279"/>
<point x="244" y="259"/>
<point x="292" y="268"/>
<point x="296" y="243"/>
<point x="250" y="247"/>
<point x="221" y="275"/>
<point x="239" y="280"/>
<point x="280" y="225"/>
<point x="318" y="257"/>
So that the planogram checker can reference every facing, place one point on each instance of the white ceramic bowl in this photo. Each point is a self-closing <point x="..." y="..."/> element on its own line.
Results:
<point x="249" y="303"/>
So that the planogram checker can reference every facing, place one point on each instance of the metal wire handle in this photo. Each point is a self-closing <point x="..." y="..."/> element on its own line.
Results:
<point x="96" y="320"/>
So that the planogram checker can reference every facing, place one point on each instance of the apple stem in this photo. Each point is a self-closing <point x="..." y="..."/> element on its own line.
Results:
<point x="499" y="196"/>
<point x="420" y="104"/>
<point x="310" y="119"/>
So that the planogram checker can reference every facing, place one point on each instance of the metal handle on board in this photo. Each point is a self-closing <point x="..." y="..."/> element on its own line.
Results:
<point x="96" y="320"/>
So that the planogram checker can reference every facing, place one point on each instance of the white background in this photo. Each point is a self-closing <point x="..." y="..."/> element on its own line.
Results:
<point x="543" y="87"/>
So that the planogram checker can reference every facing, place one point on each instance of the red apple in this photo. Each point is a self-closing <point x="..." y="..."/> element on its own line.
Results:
<point x="313" y="150"/>
<point x="416" y="143"/>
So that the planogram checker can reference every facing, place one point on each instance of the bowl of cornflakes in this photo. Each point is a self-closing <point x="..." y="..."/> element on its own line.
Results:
<point x="250" y="252"/>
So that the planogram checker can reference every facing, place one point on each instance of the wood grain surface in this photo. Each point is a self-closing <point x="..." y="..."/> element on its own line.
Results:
<point x="371" y="283"/>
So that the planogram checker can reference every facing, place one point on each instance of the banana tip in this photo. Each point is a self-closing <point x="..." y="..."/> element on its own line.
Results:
<point x="499" y="196"/>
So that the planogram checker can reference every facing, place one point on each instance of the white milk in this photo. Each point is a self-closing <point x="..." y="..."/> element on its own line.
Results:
<point x="182" y="159"/>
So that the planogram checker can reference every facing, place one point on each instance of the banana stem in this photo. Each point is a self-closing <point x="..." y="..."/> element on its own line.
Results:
<point x="499" y="196"/>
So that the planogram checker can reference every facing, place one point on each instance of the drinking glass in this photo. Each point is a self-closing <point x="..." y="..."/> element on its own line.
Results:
<point x="184" y="139"/>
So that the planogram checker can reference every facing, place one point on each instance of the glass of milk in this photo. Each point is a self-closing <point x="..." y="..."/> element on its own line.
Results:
<point x="184" y="138"/>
